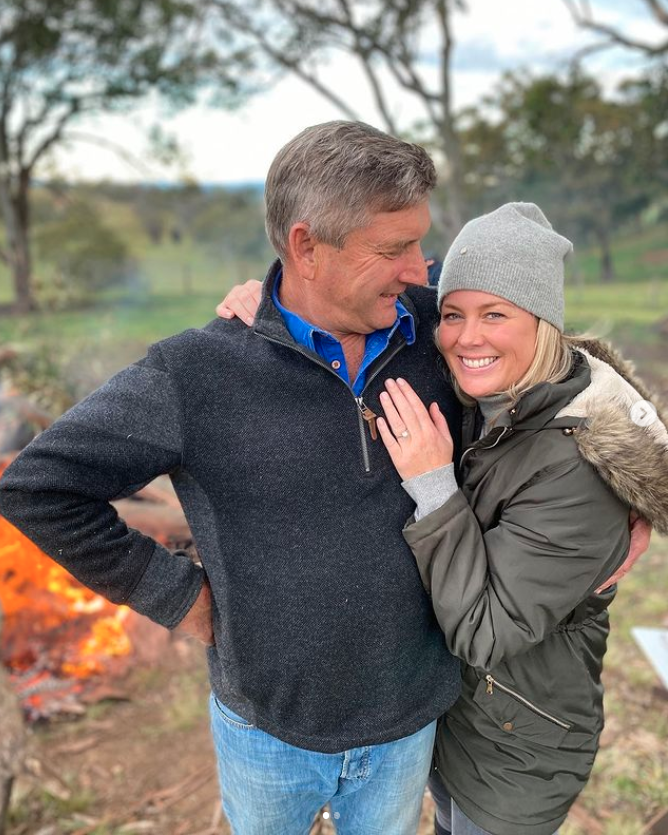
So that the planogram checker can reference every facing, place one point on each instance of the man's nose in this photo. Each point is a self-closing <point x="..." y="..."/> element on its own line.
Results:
<point x="415" y="268"/>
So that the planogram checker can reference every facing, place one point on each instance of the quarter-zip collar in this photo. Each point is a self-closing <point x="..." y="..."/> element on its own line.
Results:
<point x="269" y="322"/>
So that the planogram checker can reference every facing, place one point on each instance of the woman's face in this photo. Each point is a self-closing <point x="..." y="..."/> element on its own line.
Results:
<point x="488" y="342"/>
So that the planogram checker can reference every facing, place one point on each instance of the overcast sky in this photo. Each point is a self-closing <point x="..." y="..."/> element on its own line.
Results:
<point x="495" y="35"/>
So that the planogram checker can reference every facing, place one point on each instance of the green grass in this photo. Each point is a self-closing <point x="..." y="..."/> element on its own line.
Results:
<point x="177" y="286"/>
<point x="629" y="783"/>
<point x="639" y="256"/>
<point x="40" y="802"/>
<point x="189" y="706"/>
<point x="174" y="286"/>
<point x="607" y="307"/>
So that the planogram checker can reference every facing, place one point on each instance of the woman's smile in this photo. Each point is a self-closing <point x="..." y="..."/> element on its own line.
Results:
<point x="477" y="363"/>
<point x="488" y="342"/>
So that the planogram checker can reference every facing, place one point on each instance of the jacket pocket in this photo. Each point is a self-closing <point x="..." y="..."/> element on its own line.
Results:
<point x="517" y="715"/>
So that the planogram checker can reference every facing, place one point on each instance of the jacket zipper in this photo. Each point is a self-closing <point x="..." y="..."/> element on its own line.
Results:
<point x="505" y="431"/>
<point x="364" y="414"/>
<point x="492" y="683"/>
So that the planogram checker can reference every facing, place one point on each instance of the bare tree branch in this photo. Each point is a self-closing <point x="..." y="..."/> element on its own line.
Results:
<point x="365" y="55"/>
<point x="384" y="36"/>
<point x="450" y="137"/>
<point x="403" y="69"/>
<point x="586" y="51"/>
<point x="90" y="138"/>
<point x="5" y="96"/>
<point x="59" y="58"/>
<point x="310" y="78"/>
<point x="54" y="136"/>
<point x="583" y="17"/>
<point x="660" y="12"/>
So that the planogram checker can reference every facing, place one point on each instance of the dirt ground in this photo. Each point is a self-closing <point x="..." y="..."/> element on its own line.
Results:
<point x="139" y="762"/>
<point x="142" y="761"/>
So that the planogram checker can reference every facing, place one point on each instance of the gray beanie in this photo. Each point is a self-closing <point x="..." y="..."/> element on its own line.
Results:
<point x="513" y="253"/>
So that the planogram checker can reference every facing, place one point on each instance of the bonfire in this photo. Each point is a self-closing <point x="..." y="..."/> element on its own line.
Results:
<point x="57" y="633"/>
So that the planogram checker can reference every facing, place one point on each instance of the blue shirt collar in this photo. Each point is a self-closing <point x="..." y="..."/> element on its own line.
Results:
<point x="309" y="335"/>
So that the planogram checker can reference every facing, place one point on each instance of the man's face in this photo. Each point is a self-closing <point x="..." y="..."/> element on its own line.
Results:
<point x="357" y="287"/>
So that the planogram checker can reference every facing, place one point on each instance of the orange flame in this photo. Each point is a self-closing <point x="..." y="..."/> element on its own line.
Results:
<point x="48" y="612"/>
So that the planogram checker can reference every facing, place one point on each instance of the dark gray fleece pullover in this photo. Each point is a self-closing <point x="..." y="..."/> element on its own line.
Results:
<point x="324" y="634"/>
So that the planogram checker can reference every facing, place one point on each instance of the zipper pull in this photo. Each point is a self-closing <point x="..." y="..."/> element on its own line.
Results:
<point x="370" y="418"/>
<point x="490" y="685"/>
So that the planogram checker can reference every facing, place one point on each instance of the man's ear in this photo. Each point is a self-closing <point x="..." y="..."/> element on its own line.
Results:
<point x="301" y="249"/>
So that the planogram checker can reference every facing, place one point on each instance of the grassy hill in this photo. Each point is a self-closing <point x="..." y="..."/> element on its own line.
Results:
<point x="176" y="286"/>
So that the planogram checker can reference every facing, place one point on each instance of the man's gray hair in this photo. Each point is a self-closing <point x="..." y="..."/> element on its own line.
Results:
<point x="335" y="176"/>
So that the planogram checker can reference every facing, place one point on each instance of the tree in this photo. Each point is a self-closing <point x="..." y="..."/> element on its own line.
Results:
<point x="610" y="36"/>
<point x="592" y="162"/>
<point x="648" y="95"/>
<point x="86" y="255"/>
<point x="386" y="37"/>
<point x="151" y="211"/>
<point x="230" y="222"/>
<point x="61" y="59"/>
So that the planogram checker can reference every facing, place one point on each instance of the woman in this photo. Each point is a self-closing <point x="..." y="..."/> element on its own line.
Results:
<point x="513" y="557"/>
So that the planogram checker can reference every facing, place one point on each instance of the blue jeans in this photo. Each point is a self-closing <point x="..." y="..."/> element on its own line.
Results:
<point x="449" y="817"/>
<point x="270" y="787"/>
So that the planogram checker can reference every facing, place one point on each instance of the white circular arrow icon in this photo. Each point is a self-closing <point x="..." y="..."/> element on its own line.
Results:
<point x="643" y="413"/>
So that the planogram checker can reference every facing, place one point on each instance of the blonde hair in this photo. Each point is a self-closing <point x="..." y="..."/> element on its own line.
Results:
<point x="552" y="361"/>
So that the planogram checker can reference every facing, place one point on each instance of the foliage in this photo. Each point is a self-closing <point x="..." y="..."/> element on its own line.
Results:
<point x="386" y="38"/>
<point x="60" y="59"/>
<point x="85" y="256"/>
<point x="592" y="162"/>
<point x="39" y="372"/>
<point x="396" y="43"/>
<point x="152" y="213"/>
<point x="231" y="224"/>
<point x="228" y="221"/>
<point x="124" y="320"/>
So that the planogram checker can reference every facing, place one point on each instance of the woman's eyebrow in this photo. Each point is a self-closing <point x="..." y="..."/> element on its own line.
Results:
<point x="486" y="306"/>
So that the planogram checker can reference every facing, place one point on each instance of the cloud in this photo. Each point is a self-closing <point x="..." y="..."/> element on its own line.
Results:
<point x="495" y="35"/>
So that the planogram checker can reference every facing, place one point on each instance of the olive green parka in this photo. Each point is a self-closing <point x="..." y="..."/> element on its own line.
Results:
<point x="512" y="562"/>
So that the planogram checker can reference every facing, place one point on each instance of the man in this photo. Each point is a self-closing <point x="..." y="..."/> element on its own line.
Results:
<point x="327" y="667"/>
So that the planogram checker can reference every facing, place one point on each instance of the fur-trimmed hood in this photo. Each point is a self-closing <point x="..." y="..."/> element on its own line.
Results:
<point x="631" y="458"/>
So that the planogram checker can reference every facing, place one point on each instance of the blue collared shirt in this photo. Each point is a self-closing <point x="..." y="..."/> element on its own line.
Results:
<point x="330" y="349"/>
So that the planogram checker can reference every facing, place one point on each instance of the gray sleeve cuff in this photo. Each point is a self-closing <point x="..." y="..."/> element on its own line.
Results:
<point x="168" y="588"/>
<point x="431" y="490"/>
